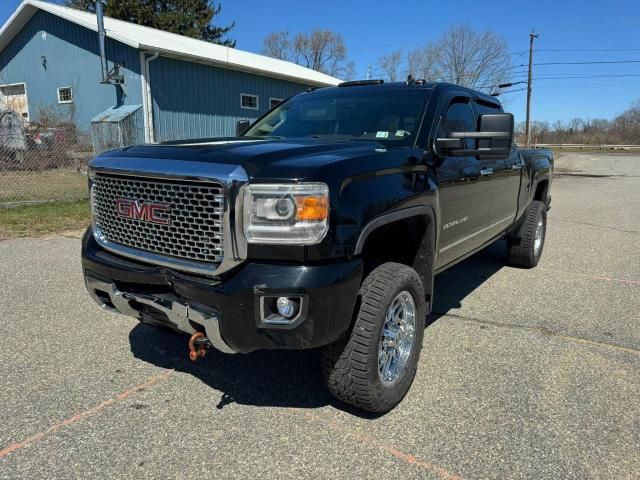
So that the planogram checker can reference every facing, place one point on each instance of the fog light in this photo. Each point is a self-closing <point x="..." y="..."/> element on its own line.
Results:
<point x="281" y="311"/>
<point x="286" y="307"/>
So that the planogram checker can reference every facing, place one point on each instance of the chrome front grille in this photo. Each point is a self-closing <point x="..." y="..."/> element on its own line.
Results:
<point x="188" y="223"/>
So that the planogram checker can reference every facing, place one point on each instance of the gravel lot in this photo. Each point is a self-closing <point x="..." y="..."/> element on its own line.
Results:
<point x="524" y="374"/>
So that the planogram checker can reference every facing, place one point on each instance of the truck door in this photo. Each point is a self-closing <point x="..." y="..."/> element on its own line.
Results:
<point x="464" y="188"/>
<point x="505" y="180"/>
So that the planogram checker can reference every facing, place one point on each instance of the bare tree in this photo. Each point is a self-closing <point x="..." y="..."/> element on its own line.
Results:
<point x="471" y="58"/>
<point x="461" y="55"/>
<point x="320" y="50"/>
<point x="390" y="65"/>
<point x="558" y="127"/>
<point x="422" y="63"/>
<point x="576" y="125"/>
<point x="278" y="45"/>
<point x="623" y="129"/>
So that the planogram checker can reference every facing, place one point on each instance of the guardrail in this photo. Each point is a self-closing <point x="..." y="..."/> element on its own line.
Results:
<point x="584" y="146"/>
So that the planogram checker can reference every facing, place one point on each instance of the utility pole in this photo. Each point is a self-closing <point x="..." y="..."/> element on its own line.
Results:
<point x="369" y="72"/>
<point x="527" y="127"/>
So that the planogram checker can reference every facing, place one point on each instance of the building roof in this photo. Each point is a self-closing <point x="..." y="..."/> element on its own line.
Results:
<point x="168" y="44"/>
<point x="115" y="114"/>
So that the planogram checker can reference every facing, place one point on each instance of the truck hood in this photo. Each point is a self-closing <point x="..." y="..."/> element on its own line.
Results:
<point x="271" y="159"/>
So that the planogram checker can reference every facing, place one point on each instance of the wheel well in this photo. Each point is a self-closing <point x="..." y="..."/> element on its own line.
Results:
<point x="541" y="191"/>
<point x="409" y="241"/>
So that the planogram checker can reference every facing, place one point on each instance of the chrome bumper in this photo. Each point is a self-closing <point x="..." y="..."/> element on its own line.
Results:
<point x="179" y="314"/>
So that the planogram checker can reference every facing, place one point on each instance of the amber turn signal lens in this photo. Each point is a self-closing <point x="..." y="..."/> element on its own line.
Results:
<point x="312" y="208"/>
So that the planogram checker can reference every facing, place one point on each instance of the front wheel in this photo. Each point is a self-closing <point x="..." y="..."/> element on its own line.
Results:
<point x="374" y="367"/>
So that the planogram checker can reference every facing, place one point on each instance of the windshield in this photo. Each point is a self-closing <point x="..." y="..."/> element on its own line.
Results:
<point x="382" y="114"/>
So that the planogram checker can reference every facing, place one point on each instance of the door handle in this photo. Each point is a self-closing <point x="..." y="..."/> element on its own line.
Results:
<point x="486" y="171"/>
<point x="516" y="166"/>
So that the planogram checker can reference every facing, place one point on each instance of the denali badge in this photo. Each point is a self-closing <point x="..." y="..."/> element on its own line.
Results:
<point x="458" y="221"/>
<point x="147" y="212"/>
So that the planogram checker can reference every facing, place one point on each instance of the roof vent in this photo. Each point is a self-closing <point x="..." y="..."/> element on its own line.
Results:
<point x="358" y="83"/>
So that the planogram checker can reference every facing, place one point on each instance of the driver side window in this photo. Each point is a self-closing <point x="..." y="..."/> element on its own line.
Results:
<point x="459" y="118"/>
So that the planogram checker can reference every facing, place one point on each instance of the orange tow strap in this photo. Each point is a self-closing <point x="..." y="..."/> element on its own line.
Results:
<point x="196" y="351"/>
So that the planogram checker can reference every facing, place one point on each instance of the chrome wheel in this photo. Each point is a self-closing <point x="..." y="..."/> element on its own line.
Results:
<point x="537" y="244"/>
<point x="396" y="342"/>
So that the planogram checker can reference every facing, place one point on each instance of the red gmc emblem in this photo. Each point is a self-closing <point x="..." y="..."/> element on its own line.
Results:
<point x="157" y="213"/>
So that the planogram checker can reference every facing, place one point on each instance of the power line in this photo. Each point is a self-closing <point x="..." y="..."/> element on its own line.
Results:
<point x="579" y="63"/>
<point x="602" y="84"/>
<point x="517" y="74"/>
<point x="589" y="50"/>
<point x="580" y="77"/>
<point x="556" y="75"/>
<point x="517" y="52"/>
<point x="589" y="76"/>
<point x="562" y="74"/>
<point x="572" y="85"/>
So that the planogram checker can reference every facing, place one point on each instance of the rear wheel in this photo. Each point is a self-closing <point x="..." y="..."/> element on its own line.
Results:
<point x="374" y="367"/>
<point x="525" y="250"/>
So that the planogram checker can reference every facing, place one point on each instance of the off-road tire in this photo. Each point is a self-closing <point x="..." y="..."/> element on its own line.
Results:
<point x="521" y="248"/>
<point x="350" y="366"/>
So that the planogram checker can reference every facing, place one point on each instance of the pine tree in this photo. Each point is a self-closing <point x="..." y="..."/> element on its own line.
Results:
<point x="192" y="18"/>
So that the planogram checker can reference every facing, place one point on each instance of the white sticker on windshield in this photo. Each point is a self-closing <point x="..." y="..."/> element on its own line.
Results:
<point x="382" y="135"/>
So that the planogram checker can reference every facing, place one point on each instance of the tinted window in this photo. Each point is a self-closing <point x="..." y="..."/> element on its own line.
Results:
<point x="459" y="118"/>
<point x="386" y="115"/>
<point x="481" y="108"/>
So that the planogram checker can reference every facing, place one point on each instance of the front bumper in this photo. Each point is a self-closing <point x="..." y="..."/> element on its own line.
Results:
<point x="228" y="308"/>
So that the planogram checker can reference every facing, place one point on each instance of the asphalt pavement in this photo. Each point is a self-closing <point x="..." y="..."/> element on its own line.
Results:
<point x="524" y="373"/>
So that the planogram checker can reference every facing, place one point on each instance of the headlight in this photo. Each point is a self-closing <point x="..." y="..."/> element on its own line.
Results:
<point x="295" y="214"/>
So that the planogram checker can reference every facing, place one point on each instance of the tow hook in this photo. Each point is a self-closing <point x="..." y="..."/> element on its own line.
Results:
<point x="198" y="346"/>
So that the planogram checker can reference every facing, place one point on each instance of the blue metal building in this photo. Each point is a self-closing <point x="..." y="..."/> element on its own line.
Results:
<point x="179" y="87"/>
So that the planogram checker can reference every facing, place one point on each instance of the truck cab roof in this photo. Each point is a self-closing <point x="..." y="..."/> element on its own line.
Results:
<point x="415" y="84"/>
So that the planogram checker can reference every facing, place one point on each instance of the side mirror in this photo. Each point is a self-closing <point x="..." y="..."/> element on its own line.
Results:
<point x="499" y="145"/>
<point x="493" y="139"/>
<point x="242" y="126"/>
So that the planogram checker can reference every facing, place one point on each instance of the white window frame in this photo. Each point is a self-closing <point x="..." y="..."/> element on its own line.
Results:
<point x="26" y="97"/>
<point x="271" y="99"/>
<point x="257" y="107"/>
<point x="65" y="88"/>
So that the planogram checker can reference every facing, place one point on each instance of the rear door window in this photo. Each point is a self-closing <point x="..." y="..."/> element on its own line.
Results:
<point x="482" y="108"/>
<point x="459" y="118"/>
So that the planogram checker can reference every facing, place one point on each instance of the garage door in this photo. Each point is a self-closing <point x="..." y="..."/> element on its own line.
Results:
<point x="14" y="97"/>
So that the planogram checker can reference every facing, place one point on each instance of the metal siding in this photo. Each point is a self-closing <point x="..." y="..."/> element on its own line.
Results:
<point x="72" y="60"/>
<point x="192" y="100"/>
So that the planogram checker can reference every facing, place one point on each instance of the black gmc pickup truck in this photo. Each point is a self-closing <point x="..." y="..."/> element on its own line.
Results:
<point x="322" y="225"/>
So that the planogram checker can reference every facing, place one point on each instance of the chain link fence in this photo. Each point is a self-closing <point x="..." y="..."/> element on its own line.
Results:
<point x="41" y="163"/>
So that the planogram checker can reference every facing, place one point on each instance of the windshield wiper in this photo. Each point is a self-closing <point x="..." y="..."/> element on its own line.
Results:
<point x="331" y="136"/>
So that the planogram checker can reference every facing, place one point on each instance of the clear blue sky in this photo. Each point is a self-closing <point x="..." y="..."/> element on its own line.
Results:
<point x="371" y="29"/>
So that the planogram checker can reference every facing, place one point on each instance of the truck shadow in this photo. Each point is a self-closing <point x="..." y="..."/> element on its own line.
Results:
<point x="292" y="379"/>
<point x="276" y="378"/>
<point x="454" y="285"/>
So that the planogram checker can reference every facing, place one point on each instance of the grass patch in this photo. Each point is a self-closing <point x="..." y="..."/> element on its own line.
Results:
<point x="36" y="220"/>
<point x="57" y="184"/>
